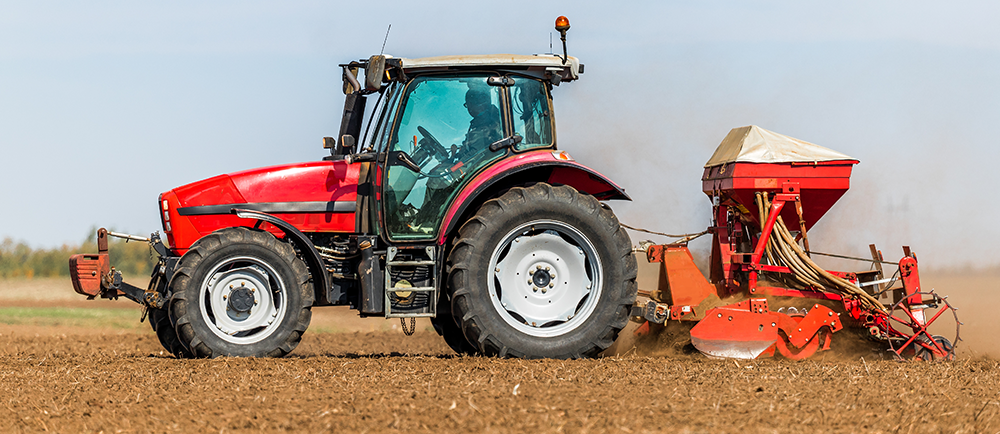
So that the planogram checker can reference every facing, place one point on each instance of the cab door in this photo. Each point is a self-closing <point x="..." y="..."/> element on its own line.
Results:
<point x="441" y="137"/>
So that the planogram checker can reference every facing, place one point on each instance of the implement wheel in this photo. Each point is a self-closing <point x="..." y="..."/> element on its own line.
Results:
<point x="542" y="271"/>
<point x="910" y="328"/>
<point x="240" y="292"/>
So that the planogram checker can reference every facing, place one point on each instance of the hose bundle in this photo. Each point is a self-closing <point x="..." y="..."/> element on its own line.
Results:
<point x="782" y="249"/>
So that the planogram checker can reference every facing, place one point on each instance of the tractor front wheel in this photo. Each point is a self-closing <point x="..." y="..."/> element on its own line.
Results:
<point x="542" y="271"/>
<point x="159" y="319"/>
<point x="240" y="292"/>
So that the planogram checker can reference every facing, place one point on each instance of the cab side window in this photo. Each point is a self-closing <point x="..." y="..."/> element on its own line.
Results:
<point x="531" y="113"/>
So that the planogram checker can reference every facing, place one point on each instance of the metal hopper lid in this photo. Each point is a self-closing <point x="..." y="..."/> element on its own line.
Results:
<point x="753" y="144"/>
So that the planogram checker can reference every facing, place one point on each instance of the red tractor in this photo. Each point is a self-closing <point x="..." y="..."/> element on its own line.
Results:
<point x="450" y="201"/>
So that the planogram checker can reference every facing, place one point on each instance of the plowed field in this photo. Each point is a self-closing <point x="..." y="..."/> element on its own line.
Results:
<point x="68" y="378"/>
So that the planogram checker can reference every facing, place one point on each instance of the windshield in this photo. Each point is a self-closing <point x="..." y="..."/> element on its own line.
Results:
<point x="381" y="117"/>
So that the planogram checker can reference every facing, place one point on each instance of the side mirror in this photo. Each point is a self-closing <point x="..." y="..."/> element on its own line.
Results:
<point x="329" y="143"/>
<point x="374" y="72"/>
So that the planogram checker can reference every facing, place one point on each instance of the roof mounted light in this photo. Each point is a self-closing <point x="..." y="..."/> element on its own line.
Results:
<point x="562" y="25"/>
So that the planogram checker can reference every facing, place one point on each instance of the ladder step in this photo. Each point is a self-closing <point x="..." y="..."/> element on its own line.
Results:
<point x="410" y="315"/>
<point x="414" y="289"/>
<point x="388" y="264"/>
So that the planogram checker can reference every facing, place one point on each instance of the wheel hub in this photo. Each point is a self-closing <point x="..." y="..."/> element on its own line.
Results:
<point x="241" y="299"/>
<point x="543" y="278"/>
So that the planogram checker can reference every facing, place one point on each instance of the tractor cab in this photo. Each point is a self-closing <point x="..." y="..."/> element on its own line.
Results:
<point x="439" y="121"/>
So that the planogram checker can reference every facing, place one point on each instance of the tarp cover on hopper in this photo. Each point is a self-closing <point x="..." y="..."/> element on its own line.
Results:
<point x="753" y="144"/>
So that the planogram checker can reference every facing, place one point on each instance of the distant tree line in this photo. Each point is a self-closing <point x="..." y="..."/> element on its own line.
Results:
<point x="19" y="260"/>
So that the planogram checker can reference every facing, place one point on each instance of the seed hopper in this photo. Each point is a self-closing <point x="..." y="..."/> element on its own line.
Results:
<point x="765" y="294"/>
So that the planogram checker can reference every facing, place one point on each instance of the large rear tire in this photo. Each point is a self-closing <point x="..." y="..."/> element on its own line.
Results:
<point x="446" y="325"/>
<point x="240" y="292"/>
<point x="542" y="271"/>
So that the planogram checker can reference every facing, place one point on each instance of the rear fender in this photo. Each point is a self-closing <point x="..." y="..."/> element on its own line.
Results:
<point x="553" y="167"/>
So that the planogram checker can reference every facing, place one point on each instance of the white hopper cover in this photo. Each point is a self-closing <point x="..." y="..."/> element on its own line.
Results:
<point x="754" y="144"/>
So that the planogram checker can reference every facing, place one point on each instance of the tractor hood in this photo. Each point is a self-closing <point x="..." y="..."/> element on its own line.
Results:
<point x="314" y="197"/>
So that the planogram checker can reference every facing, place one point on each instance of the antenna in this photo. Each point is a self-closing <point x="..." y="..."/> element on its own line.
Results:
<point x="550" y="42"/>
<point x="386" y="39"/>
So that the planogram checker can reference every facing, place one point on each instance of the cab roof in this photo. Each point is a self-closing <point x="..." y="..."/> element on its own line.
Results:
<point x="550" y="63"/>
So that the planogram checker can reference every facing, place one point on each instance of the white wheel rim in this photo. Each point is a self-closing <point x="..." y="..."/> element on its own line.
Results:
<point x="242" y="300"/>
<point x="545" y="278"/>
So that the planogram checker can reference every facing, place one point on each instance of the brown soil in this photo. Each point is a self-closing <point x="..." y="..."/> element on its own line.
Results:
<point x="69" y="380"/>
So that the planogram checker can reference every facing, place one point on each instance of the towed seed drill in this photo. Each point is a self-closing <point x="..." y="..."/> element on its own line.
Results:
<point x="766" y="190"/>
<point x="445" y="197"/>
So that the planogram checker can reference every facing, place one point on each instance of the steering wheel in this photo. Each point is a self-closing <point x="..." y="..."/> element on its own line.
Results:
<point x="435" y="146"/>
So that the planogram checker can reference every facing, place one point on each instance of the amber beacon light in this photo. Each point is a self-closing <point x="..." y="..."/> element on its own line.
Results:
<point x="562" y="25"/>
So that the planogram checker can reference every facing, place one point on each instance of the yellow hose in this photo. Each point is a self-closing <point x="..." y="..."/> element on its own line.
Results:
<point x="804" y="269"/>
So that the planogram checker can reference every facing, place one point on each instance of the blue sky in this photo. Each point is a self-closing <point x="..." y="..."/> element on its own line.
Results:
<point x="103" y="105"/>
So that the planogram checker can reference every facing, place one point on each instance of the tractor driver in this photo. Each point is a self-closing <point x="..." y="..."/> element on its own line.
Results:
<point x="484" y="129"/>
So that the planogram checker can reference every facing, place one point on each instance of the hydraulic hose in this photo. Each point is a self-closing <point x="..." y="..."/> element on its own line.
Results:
<point x="784" y="248"/>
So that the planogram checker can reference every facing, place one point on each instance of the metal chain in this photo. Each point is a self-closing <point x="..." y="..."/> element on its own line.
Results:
<point x="413" y="326"/>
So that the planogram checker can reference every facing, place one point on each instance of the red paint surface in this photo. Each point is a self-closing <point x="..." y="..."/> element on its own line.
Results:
<point x="321" y="181"/>
<point x="569" y="173"/>
<point x="820" y="186"/>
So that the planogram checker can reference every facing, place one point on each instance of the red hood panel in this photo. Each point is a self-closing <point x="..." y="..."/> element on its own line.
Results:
<point x="314" y="197"/>
<point x="303" y="182"/>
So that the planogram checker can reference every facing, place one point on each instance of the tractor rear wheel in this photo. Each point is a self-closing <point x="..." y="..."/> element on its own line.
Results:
<point x="542" y="271"/>
<point x="446" y="325"/>
<point x="240" y="292"/>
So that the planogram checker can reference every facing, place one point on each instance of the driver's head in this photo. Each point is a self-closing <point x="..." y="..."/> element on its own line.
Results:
<point x="477" y="100"/>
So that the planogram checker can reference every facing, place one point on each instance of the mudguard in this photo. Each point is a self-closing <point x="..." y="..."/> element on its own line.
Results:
<point x="558" y="168"/>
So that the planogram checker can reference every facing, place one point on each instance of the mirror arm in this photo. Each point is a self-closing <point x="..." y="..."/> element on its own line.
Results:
<point x="351" y="79"/>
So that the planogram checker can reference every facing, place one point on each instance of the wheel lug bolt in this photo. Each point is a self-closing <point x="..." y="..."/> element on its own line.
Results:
<point x="243" y="284"/>
<point x="544" y="290"/>
<point x="230" y="286"/>
<point x="535" y="289"/>
<point x="552" y="285"/>
<point x="530" y="272"/>
<point x="225" y="297"/>
<point x="529" y="282"/>
<point x="547" y="268"/>
<point x="255" y="302"/>
<point x="538" y="267"/>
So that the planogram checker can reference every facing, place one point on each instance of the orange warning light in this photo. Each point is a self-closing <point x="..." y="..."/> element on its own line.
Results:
<point x="562" y="24"/>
